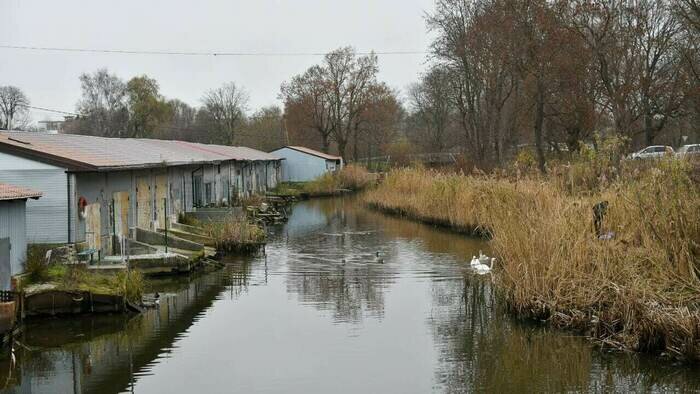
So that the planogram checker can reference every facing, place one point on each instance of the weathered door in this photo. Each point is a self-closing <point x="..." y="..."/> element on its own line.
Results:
<point x="197" y="186"/>
<point x="121" y="213"/>
<point x="143" y="203"/>
<point x="161" y="195"/>
<point x="5" y="264"/>
<point x="92" y="226"/>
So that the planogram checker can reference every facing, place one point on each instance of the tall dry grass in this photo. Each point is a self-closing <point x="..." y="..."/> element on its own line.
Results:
<point x="235" y="234"/>
<point x="637" y="291"/>
<point x="350" y="177"/>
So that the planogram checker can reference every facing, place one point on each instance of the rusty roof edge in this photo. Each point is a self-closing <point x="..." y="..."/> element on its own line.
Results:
<point x="44" y="157"/>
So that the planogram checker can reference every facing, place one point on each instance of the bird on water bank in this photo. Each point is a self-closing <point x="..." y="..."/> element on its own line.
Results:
<point x="483" y="259"/>
<point x="483" y="268"/>
<point x="378" y="259"/>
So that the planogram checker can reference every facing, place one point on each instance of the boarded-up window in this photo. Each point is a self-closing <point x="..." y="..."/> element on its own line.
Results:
<point x="143" y="203"/>
<point x="161" y="195"/>
<point x="92" y="226"/>
<point x="121" y="213"/>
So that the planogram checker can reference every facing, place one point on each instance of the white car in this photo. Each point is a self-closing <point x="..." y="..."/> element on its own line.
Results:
<point x="692" y="150"/>
<point x="652" y="152"/>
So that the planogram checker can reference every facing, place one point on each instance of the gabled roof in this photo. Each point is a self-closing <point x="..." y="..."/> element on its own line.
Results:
<point x="90" y="153"/>
<point x="12" y="192"/>
<point x="313" y="152"/>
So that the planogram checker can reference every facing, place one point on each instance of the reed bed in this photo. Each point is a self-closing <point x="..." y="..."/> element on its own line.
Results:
<point x="235" y="235"/>
<point x="350" y="177"/>
<point x="638" y="291"/>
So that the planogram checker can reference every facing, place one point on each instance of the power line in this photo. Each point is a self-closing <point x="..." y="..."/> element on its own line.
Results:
<point x="196" y="53"/>
<point x="50" y="110"/>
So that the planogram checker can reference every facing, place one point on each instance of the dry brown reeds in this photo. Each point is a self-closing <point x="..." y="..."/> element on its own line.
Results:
<point x="235" y="235"/>
<point x="639" y="290"/>
<point x="350" y="177"/>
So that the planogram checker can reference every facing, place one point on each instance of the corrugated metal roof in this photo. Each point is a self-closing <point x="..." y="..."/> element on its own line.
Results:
<point x="12" y="192"/>
<point x="314" y="152"/>
<point x="101" y="153"/>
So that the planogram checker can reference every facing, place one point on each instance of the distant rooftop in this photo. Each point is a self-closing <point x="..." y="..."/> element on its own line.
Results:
<point x="12" y="192"/>
<point x="90" y="153"/>
<point x="313" y="152"/>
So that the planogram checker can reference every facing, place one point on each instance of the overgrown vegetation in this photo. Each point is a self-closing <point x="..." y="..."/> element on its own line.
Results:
<point x="639" y="290"/>
<point x="35" y="264"/>
<point x="77" y="278"/>
<point x="350" y="177"/>
<point x="235" y="235"/>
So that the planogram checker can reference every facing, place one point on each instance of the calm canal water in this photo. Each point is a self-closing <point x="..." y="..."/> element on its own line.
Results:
<point x="319" y="314"/>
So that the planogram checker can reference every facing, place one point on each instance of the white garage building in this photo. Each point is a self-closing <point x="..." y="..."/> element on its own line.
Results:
<point x="301" y="164"/>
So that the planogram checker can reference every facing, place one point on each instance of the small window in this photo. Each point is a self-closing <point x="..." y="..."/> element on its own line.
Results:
<point x="660" y="149"/>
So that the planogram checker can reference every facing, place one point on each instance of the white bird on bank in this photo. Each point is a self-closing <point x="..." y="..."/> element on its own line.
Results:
<point x="483" y="268"/>
<point x="474" y="261"/>
<point x="483" y="259"/>
<point x="378" y="259"/>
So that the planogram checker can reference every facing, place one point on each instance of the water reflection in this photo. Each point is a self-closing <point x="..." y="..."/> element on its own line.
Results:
<point x="320" y="313"/>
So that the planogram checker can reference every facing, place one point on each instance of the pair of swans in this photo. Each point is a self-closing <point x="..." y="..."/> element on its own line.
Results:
<point x="480" y="264"/>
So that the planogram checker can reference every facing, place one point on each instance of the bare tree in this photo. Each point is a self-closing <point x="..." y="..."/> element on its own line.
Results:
<point x="474" y="42"/>
<point x="307" y="105"/>
<point x="263" y="130"/>
<point x="689" y="10"/>
<point x="351" y="80"/>
<point x="226" y="107"/>
<point x="432" y="108"/>
<point x="103" y="106"/>
<point x="13" y="107"/>
<point x="329" y="98"/>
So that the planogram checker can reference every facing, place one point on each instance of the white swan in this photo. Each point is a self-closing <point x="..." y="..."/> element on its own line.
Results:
<point x="483" y="259"/>
<point x="474" y="261"/>
<point x="483" y="268"/>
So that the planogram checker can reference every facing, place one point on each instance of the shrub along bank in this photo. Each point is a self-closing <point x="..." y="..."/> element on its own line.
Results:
<point x="639" y="290"/>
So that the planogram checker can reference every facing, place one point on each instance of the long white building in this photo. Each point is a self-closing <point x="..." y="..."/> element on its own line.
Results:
<point x="95" y="188"/>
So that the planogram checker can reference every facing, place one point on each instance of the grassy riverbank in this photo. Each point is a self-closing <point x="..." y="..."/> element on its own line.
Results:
<point x="351" y="177"/>
<point x="638" y="291"/>
<point x="129" y="285"/>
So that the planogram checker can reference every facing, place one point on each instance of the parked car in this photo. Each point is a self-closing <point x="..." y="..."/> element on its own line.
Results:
<point x="652" y="152"/>
<point x="692" y="150"/>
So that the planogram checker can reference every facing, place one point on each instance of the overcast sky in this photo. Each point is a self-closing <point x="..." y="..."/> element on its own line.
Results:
<point x="50" y="79"/>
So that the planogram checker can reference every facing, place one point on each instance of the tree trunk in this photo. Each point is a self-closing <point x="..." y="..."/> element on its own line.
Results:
<point x="326" y="143"/>
<point x="649" y="132"/>
<point x="342" y="144"/>
<point x="539" y="120"/>
<point x="354" y="147"/>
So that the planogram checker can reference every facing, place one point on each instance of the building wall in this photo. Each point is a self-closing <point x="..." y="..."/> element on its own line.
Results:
<point x="47" y="217"/>
<point x="55" y="218"/>
<point x="12" y="226"/>
<point x="300" y="167"/>
<point x="146" y="190"/>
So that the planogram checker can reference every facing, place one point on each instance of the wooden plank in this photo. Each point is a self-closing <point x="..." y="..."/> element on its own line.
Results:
<point x="121" y="213"/>
<point x="92" y="226"/>
<point x="144" y="213"/>
<point x="161" y="195"/>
